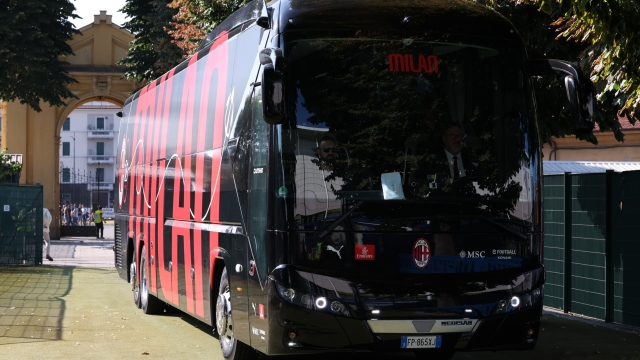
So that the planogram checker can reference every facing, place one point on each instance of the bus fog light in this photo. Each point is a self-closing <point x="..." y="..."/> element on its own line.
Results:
<point x="321" y="302"/>
<point x="292" y="335"/>
<point x="515" y="301"/>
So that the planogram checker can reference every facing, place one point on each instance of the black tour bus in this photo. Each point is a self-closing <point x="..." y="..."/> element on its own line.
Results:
<point x="343" y="176"/>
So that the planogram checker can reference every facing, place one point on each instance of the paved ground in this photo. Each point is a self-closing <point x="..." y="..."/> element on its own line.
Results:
<point x="83" y="251"/>
<point x="77" y="307"/>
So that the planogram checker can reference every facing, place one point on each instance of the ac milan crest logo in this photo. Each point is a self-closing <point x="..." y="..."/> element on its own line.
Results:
<point x="421" y="253"/>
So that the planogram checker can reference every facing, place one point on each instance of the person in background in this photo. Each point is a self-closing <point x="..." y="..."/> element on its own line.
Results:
<point x="98" y="220"/>
<point x="85" y="214"/>
<point x="80" y="215"/>
<point x="46" y="222"/>
<point x="74" y="215"/>
<point x="67" y="214"/>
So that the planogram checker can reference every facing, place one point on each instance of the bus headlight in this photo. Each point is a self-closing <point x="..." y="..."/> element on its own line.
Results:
<point x="519" y="302"/>
<point x="312" y="302"/>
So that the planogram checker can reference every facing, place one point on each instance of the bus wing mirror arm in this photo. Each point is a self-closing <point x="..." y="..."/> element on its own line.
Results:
<point x="272" y="56"/>
<point x="579" y="88"/>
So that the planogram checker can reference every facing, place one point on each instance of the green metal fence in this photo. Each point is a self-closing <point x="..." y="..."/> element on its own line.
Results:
<point x="592" y="246"/>
<point x="20" y="224"/>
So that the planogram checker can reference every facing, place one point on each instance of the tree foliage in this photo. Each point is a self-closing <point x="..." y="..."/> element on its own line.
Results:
<point x="33" y="34"/>
<point x="600" y="36"/>
<point x="195" y="18"/>
<point x="153" y="51"/>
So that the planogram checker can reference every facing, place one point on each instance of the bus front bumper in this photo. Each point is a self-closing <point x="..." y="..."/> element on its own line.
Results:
<point x="301" y="331"/>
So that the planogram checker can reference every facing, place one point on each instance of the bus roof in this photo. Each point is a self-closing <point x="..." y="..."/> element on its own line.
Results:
<point x="446" y="16"/>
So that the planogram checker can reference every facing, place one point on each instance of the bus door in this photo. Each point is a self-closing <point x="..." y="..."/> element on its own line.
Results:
<point x="257" y="224"/>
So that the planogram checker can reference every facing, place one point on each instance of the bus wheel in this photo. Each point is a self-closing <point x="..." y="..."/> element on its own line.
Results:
<point x="232" y="349"/>
<point x="133" y="281"/>
<point x="150" y="304"/>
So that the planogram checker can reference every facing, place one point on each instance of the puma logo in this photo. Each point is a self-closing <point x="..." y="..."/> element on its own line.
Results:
<point x="331" y="248"/>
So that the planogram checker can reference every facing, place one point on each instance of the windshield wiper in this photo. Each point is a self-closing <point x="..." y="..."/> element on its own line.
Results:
<point x="329" y="228"/>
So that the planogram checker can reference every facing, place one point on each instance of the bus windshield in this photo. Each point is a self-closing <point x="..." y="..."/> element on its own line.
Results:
<point x="407" y="130"/>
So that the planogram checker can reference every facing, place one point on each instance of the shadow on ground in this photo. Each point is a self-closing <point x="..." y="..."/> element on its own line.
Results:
<point x="69" y="313"/>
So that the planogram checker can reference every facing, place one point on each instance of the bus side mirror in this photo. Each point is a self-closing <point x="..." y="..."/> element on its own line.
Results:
<point x="579" y="88"/>
<point x="581" y="99"/>
<point x="272" y="95"/>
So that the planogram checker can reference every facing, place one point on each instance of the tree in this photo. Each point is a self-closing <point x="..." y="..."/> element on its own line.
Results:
<point x="196" y="18"/>
<point x="153" y="52"/>
<point x="600" y="36"/>
<point x="33" y="34"/>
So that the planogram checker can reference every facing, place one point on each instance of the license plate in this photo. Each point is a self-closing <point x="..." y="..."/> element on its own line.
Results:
<point x="421" y="342"/>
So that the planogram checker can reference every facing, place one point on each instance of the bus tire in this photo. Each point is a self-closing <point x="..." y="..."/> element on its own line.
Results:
<point x="149" y="303"/>
<point x="231" y="348"/>
<point x="133" y="282"/>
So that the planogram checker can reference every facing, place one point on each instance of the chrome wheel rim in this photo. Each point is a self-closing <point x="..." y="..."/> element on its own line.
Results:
<point x="134" y="281"/>
<point x="222" y="309"/>
<point x="144" y="293"/>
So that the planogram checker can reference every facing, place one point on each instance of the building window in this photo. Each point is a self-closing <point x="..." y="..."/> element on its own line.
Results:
<point x="66" y="148"/>
<point x="100" y="174"/>
<point x="66" y="175"/>
<point x="67" y="125"/>
<point x="100" y="123"/>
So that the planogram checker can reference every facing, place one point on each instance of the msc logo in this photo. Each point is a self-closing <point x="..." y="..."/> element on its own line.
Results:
<point x="472" y="254"/>
<point x="456" y="323"/>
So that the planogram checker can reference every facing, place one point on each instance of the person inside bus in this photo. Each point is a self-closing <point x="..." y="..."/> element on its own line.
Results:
<point x="453" y="140"/>
<point x="450" y="159"/>
<point x="327" y="152"/>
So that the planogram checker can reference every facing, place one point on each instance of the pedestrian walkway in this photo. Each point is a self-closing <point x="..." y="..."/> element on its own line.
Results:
<point x="83" y="251"/>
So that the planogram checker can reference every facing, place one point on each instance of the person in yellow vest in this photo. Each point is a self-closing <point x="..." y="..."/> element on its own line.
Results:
<point x="98" y="220"/>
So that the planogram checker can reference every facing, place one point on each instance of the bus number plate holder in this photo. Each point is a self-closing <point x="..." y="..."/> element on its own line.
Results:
<point x="421" y="342"/>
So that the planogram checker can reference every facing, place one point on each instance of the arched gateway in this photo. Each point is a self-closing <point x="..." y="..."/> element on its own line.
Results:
<point x="36" y="135"/>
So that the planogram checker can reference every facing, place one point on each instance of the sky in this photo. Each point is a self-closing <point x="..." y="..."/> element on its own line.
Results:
<point x="88" y="8"/>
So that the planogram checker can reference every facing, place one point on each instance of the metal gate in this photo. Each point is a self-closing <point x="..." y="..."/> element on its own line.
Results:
<point x="592" y="246"/>
<point x="84" y="188"/>
<point x="21" y="224"/>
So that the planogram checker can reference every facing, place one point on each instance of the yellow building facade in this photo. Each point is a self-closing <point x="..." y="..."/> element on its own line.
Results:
<point x="608" y="148"/>
<point x="36" y="135"/>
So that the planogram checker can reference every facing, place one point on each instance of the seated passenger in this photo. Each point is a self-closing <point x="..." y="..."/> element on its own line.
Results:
<point x="327" y="152"/>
